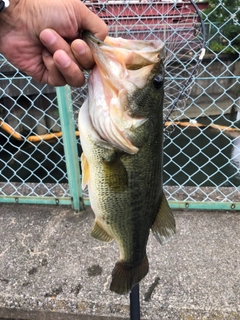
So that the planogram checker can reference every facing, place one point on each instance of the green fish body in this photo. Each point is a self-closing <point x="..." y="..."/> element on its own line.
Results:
<point x="121" y="132"/>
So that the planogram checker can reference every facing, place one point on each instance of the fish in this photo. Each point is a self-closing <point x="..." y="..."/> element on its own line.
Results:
<point x="121" y="134"/>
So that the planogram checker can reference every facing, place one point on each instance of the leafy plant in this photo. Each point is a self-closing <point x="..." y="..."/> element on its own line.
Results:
<point x="220" y="47"/>
<point x="226" y="15"/>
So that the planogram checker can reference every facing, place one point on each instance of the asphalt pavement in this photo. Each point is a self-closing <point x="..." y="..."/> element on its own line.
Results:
<point x="50" y="268"/>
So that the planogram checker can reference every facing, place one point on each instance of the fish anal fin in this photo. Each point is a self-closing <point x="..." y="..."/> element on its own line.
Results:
<point x="100" y="234"/>
<point x="85" y="171"/>
<point x="164" y="225"/>
<point x="125" y="277"/>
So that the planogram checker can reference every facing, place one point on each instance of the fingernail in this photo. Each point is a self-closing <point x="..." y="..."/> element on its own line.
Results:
<point x="48" y="37"/>
<point x="79" y="47"/>
<point x="63" y="59"/>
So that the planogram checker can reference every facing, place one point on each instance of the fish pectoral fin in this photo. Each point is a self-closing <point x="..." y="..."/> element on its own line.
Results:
<point x="124" y="277"/>
<point x="100" y="234"/>
<point x="115" y="174"/>
<point x="164" y="225"/>
<point x="85" y="171"/>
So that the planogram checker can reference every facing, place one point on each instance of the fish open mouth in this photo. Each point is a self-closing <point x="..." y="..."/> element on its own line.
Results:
<point x="122" y="67"/>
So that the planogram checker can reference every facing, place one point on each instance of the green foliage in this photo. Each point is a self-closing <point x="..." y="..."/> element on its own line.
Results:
<point x="219" y="47"/>
<point x="227" y="16"/>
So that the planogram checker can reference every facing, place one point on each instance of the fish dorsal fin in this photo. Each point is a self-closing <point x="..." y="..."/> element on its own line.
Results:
<point x="164" y="225"/>
<point x="85" y="171"/>
<point x="100" y="234"/>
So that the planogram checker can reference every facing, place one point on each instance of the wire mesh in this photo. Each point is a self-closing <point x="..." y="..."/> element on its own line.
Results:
<point x="201" y="155"/>
<point x="32" y="161"/>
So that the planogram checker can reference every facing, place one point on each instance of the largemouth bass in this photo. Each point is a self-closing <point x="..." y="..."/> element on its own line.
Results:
<point x="121" y="132"/>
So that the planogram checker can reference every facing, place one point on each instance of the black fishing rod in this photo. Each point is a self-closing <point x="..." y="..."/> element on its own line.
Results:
<point x="135" y="303"/>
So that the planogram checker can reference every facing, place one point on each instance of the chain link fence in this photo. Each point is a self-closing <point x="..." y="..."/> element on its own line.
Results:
<point x="32" y="162"/>
<point x="202" y="153"/>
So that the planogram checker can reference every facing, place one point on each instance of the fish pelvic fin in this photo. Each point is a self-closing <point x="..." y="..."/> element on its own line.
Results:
<point x="100" y="234"/>
<point x="125" y="277"/>
<point x="85" y="171"/>
<point x="164" y="225"/>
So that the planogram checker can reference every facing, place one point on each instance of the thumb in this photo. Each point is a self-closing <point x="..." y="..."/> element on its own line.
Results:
<point x="91" y="22"/>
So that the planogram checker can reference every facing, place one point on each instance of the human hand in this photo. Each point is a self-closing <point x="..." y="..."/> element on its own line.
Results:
<point x="35" y="36"/>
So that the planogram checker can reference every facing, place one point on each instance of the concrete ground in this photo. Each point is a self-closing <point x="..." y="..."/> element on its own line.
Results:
<point x="50" y="268"/>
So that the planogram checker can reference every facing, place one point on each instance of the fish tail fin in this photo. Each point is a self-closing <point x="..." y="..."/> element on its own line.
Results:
<point x="124" y="277"/>
<point x="164" y="225"/>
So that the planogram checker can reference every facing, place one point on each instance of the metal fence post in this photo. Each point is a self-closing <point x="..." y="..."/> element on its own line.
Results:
<point x="70" y="145"/>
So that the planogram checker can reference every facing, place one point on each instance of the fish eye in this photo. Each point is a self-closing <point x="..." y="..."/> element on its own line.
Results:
<point x="158" y="82"/>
